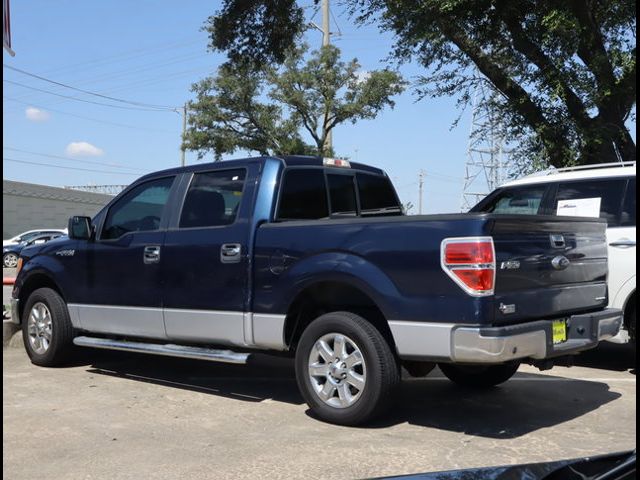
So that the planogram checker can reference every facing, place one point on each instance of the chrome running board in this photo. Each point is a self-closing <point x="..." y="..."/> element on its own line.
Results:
<point x="182" y="351"/>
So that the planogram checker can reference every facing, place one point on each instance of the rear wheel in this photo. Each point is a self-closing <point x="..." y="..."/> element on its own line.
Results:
<point x="479" y="376"/>
<point x="46" y="328"/>
<point x="345" y="369"/>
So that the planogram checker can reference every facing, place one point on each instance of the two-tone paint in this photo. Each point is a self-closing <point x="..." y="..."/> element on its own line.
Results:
<point x="392" y="262"/>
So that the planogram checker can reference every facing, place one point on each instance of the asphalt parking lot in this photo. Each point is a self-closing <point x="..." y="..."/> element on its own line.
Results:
<point x="115" y="415"/>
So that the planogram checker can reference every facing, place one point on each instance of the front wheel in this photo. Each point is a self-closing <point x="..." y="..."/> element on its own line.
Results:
<point x="345" y="369"/>
<point x="10" y="260"/>
<point x="479" y="376"/>
<point x="46" y="328"/>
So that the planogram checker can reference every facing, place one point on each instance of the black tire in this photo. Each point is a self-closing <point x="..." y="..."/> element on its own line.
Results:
<point x="382" y="370"/>
<point x="60" y="348"/>
<point x="479" y="376"/>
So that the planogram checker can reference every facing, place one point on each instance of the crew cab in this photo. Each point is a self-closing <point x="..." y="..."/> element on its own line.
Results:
<point x="314" y="258"/>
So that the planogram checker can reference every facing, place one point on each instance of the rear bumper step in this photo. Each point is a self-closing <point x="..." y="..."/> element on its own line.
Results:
<point x="170" y="350"/>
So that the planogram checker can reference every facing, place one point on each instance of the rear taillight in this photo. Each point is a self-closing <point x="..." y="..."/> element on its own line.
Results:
<point x="471" y="263"/>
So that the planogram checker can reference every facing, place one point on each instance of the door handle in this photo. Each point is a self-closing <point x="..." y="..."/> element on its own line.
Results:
<point x="231" y="253"/>
<point x="151" y="254"/>
<point x="623" y="243"/>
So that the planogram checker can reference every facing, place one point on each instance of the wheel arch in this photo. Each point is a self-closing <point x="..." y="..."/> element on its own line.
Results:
<point x="33" y="282"/>
<point x="333" y="295"/>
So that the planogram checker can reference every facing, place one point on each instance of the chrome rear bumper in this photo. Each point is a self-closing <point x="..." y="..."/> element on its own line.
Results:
<point x="467" y="344"/>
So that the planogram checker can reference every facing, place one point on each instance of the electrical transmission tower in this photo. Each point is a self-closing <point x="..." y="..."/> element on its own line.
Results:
<point x="105" y="189"/>
<point x="487" y="157"/>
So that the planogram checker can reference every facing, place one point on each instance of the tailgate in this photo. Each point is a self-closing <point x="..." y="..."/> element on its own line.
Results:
<point x="548" y="266"/>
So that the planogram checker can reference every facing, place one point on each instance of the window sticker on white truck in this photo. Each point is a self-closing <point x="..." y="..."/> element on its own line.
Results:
<point x="580" y="207"/>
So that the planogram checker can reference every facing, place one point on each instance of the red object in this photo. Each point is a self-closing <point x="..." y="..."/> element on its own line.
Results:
<point x="471" y="262"/>
<point x="469" y="253"/>
<point x="8" y="280"/>
<point x="479" y="280"/>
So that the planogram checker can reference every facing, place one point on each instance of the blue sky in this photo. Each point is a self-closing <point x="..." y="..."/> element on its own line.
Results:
<point x="152" y="51"/>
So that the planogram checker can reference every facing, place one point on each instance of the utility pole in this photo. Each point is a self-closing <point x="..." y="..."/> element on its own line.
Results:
<point x="326" y="41"/>
<point x="420" y="185"/>
<point x="184" y="131"/>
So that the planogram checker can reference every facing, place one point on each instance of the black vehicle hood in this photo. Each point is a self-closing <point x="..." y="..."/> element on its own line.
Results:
<point x="586" y="468"/>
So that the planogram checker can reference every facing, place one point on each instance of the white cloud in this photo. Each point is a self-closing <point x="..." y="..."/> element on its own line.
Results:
<point x="36" y="115"/>
<point x="83" y="149"/>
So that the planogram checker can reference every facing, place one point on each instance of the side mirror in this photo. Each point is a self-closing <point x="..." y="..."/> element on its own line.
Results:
<point x="80" y="228"/>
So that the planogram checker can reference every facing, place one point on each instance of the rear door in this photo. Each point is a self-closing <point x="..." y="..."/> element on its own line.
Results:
<point x="205" y="263"/>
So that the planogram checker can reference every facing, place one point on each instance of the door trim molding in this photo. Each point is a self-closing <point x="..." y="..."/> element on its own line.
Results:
<point x="245" y="329"/>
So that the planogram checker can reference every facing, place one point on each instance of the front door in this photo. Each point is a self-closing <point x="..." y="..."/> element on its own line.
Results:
<point x="122" y="291"/>
<point x="205" y="261"/>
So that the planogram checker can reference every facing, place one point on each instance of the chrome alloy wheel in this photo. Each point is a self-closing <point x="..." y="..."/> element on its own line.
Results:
<point x="40" y="328"/>
<point x="10" y="260"/>
<point x="337" y="370"/>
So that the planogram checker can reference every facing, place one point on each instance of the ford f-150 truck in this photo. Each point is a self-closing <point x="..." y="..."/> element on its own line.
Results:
<point x="314" y="258"/>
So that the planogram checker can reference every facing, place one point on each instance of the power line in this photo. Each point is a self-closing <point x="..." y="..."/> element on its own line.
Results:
<point x="83" y="100"/>
<point x="6" y="159"/>
<point x="123" y="56"/>
<point x="106" y="122"/>
<point x="69" y="159"/>
<point x="88" y="92"/>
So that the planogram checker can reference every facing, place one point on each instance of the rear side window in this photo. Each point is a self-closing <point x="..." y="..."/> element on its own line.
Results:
<point x="593" y="198"/>
<point x="303" y="195"/>
<point x="342" y="193"/>
<point x="517" y="201"/>
<point x="376" y="192"/>
<point x="140" y="209"/>
<point x="628" y="217"/>
<point x="213" y="199"/>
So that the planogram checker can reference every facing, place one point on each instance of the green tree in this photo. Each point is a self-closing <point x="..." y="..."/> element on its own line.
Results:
<point x="565" y="70"/>
<point x="268" y="109"/>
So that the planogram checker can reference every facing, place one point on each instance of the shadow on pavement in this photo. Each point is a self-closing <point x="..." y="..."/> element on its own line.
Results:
<point x="609" y="356"/>
<point x="525" y="404"/>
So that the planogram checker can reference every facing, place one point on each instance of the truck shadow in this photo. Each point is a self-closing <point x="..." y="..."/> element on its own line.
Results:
<point x="526" y="403"/>
<point x="523" y="405"/>
<point x="610" y="356"/>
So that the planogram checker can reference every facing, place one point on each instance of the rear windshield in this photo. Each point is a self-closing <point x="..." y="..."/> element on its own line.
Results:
<point x="376" y="193"/>
<point x="315" y="193"/>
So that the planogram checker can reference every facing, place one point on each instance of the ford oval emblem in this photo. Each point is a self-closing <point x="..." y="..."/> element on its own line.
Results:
<point x="560" y="262"/>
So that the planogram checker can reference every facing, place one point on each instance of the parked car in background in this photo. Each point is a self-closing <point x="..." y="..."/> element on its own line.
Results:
<point x="313" y="258"/>
<point x="607" y="191"/>
<point x="11" y="252"/>
<point x="29" y="234"/>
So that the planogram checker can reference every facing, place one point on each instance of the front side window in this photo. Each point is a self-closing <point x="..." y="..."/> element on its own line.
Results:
<point x="517" y="201"/>
<point x="303" y="195"/>
<point x="138" y="210"/>
<point x="593" y="198"/>
<point x="342" y="193"/>
<point x="213" y="199"/>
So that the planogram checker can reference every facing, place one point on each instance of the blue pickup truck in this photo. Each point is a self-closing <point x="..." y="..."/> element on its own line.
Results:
<point x="314" y="258"/>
